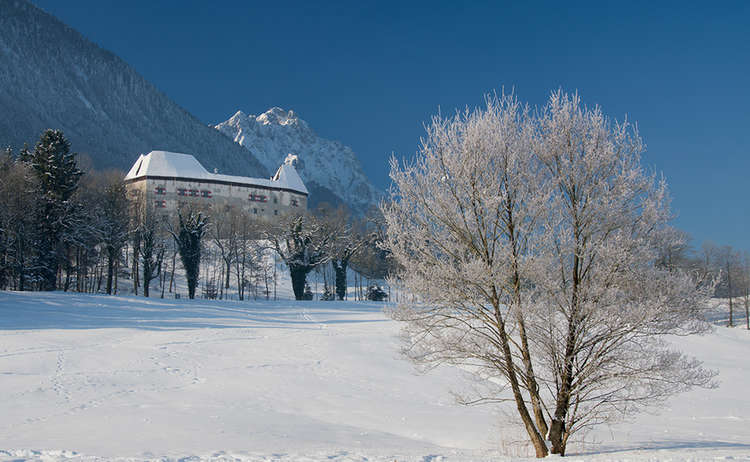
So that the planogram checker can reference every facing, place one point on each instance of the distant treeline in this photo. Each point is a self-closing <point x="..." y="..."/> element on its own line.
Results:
<point x="64" y="227"/>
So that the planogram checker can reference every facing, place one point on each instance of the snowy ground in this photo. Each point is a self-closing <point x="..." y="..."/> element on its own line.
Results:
<point x="97" y="378"/>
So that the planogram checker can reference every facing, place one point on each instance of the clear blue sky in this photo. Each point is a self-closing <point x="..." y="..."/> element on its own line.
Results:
<point x="371" y="73"/>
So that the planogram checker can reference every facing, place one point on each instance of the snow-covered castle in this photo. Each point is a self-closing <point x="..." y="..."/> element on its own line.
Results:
<point x="166" y="180"/>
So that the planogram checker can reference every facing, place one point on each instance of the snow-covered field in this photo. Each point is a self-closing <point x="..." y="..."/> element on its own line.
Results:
<point x="87" y="377"/>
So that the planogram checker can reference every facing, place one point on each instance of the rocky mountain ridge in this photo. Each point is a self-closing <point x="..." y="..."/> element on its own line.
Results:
<point x="330" y="169"/>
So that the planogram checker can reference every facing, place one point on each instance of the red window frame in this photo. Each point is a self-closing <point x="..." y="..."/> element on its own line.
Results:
<point x="206" y="193"/>
<point x="160" y="190"/>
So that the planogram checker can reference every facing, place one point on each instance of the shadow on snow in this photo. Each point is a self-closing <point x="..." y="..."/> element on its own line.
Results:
<point x="60" y="310"/>
<point x="665" y="445"/>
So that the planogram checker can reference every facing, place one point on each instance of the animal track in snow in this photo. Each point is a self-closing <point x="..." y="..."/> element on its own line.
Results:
<point x="57" y="383"/>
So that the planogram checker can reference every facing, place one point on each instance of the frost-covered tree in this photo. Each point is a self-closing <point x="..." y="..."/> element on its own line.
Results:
<point x="151" y="249"/>
<point x="744" y="284"/>
<point x="606" y="303"/>
<point x="532" y="242"/>
<point x="303" y="243"/>
<point x="191" y="227"/>
<point x="225" y="233"/>
<point x="18" y="200"/>
<point x="374" y="260"/>
<point x="244" y="247"/>
<point x="347" y="238"/>
<point x="728" y="263"/>
<point x="115" y="224"/>
<point x="82" y="235"/>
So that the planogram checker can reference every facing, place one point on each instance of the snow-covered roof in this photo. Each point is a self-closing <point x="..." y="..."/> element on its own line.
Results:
<point x="287" y="174"/>
<point x="177" y="165"/>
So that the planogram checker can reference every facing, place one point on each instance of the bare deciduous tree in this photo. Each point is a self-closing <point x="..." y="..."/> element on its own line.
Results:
<point x="532" y="243"/>
<point x="348" y="237"/>
<point x="152" y="248"/>
<point x="224" y="234"/>
<point x="729" y="263"/>
<point x="303" y="242"/>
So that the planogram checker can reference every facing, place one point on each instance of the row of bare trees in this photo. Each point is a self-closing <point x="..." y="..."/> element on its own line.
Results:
<point x="727" y="267"/>
<point x="329" y="236"/>
<point x="241" y="251"/>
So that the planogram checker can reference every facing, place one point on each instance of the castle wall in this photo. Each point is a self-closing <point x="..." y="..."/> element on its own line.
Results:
<point x="166" y="194"/>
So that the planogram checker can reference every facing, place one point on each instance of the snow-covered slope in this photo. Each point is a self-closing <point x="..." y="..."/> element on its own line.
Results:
<point x="92" y="378"/>
<point x="53" y="77"/>
<point x="327" y="167"/>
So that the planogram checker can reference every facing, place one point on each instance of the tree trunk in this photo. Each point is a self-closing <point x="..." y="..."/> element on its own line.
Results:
<point x="540" y="447"/>
<point x="191" y="287"/>
<point x="66" y="286"/>
<point x="135" y="271"/>
<point x="110" y="271"/>
<point x="340" y="268"/>
<point x="532" y="385"/>
<point x="274" y="277"/>
<point x="146" y="279"/>
<point x="557" y="431"/>
<point x="731" y="307"/>
<point x="171" y="277"/>
<point x="299" y="277"/>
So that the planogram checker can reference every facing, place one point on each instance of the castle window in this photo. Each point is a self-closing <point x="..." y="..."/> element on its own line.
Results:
<point x="275" y="212"/>
<point x="160" y="204"/>
<point x="294" y="203"/>
<point x="160" y="190"/>
<point x="258" y="198"/>
<point x="181" y="192"/>
<point x="206" y="193"/>
<point x="193" y="193"/>
<point x="255" y="211"/>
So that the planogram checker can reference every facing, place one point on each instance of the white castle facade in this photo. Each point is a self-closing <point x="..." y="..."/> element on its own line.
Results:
<point x="167" y="180"/>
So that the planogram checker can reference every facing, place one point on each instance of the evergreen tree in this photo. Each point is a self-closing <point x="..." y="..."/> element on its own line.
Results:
<point x="24" y="155"/>
<point x="58" y="175"/>
<point x="192" y="227"/>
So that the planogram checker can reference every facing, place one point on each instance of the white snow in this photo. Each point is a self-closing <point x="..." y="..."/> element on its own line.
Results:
<point x="87" y="377"/>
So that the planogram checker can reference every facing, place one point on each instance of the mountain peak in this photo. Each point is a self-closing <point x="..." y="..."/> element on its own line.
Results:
<point x="239" y="115"/>
<point x="277" y="116"/>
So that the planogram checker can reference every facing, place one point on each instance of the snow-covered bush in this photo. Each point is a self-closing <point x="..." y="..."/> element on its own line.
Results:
<point x="375" y="293"/>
